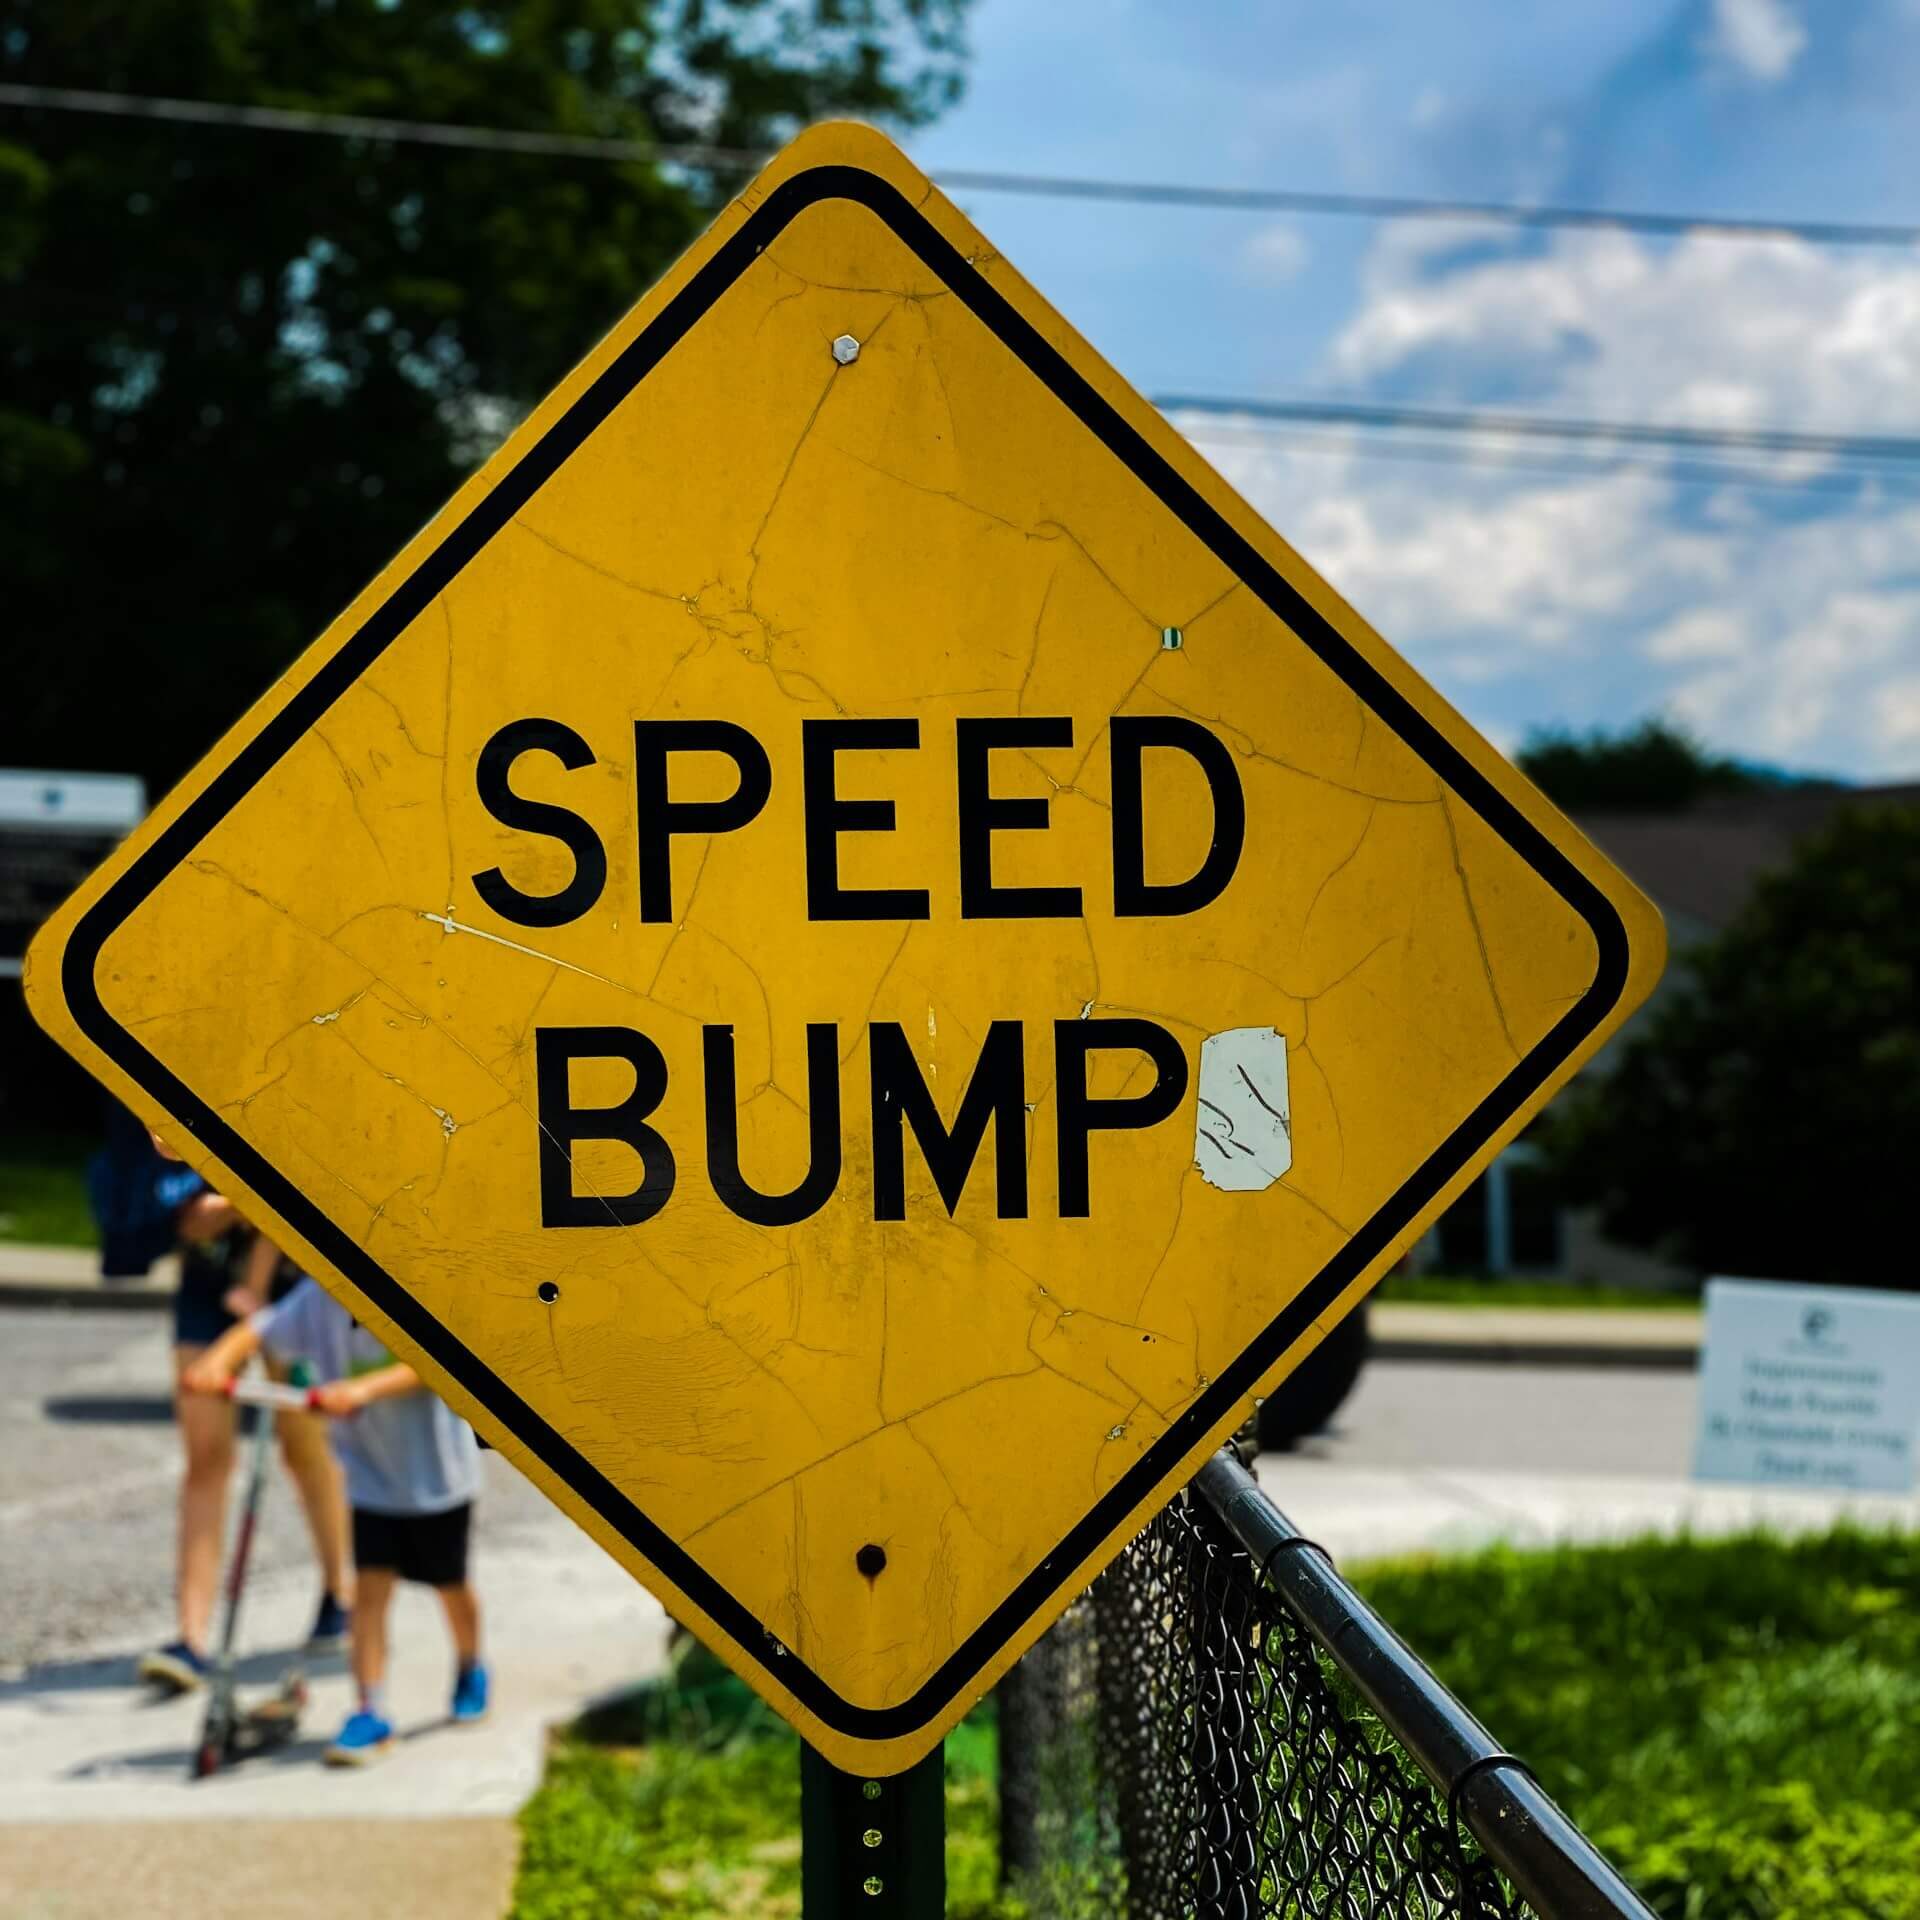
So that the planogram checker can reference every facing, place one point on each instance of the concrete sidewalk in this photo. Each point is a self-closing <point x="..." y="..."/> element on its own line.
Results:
<point x="1369" y="1512"/>
<point x="1539" y="1336"/>
<point x="33" y="1276"/>
<point x="360" y="1869"/>
<point x="98" y="1817"/>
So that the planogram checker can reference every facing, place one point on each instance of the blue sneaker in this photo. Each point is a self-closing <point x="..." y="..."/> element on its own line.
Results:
<point x="469" y="1695"/>
<point x="176" y="1668"/>
<point x="363" y="1740"/>
<point x="330" y="1625"/>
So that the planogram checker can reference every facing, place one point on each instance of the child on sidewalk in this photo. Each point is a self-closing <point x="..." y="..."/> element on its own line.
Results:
<point x="412" y="1469"/>
<point x="226" y="1272"/>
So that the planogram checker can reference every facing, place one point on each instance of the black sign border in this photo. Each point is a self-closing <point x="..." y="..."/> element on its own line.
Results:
<point x="414" y="594"/>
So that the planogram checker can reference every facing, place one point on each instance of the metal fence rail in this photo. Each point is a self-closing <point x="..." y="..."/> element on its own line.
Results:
<point x="1223" y="1728"/>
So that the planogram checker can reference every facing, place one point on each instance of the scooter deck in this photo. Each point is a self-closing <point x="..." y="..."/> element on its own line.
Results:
<point x="247" y="1732"/>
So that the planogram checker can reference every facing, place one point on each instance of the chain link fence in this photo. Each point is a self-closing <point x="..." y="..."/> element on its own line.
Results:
<point x="1221" y="1728"/>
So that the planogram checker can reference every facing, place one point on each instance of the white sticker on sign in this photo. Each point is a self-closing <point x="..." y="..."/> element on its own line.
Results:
<point x="1243" y="1129"/>
<point x="1809" y="1387"/>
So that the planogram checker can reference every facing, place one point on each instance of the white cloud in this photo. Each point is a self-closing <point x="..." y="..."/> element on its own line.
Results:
<point x="1784" y="623"/>
<point x="1897" y="714"/>
<point x="1793" y="642"/>
<point x="1482" y="573"/>
<point x="1760" y="38"/>
<point x="1809" y="692"/>
<point x="1706" y="331"/>
<point x="1707" y="633"/>
<point x="1516" y="569"/>
<point x="1276" y="253"/>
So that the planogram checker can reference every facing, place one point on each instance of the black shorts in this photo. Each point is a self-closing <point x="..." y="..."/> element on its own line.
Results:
<point x="200" y="1313"/>
<point x="207" y="1276"/>
<point x="429" y="1549"/>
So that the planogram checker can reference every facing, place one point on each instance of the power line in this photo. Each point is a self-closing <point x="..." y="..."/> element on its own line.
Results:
<point x="1328" y="442"/>
<point x="1533" y="426"/>
<point x="356" y="126"/>
<point x="1262" y="419"/>
<point x="1382" y="206"/>
<point x="1684" y="473"/>
<point x="736" y="160"/>
<point x="1266" y="420"/>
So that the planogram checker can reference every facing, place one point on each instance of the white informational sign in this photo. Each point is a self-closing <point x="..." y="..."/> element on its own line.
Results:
<point x="55" y="828"/>
<point x="1809" y="1387"/>
<point x="113" y="803"/>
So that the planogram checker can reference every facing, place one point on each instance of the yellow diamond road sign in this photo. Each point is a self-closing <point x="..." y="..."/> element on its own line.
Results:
<point x="849" y="953"/>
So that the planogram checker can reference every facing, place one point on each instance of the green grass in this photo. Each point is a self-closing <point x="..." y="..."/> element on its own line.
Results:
<point x="43" y="1194"/>
<point x="688" y="1806"/>
<point x="1458" y="1290"/>
<point x="1736" y="1723"/>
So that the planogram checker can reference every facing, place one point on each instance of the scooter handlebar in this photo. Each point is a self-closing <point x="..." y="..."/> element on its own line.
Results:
<point x="275" y="1394"/>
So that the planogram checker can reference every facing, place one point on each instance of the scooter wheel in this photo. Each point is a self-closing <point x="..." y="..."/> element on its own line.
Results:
<point x="206" y="1761"/>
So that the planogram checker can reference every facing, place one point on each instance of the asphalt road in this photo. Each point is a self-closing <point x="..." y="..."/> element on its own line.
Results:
<point x="1507" y="1417"/>
<point x="89" y="1466"/>
<point x="89" y="1462"/>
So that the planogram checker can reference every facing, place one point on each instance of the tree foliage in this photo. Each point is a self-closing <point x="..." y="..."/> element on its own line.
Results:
<point x="1762" y="1118"/>
<point x="242" y="368"/>
<point x="1655" y="767"/>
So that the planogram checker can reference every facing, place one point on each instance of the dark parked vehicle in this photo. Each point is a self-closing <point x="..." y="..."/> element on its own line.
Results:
<point x="1312" y="1394"/>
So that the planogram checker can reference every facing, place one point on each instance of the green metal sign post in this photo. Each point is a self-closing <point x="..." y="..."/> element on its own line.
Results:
<point x="873" y="1846"/>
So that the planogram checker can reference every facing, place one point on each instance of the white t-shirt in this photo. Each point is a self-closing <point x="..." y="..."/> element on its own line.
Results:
<point x="409" y="1454"/>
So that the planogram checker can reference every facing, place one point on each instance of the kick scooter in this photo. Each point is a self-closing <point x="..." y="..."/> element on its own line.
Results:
<point x="232" y="1733"/>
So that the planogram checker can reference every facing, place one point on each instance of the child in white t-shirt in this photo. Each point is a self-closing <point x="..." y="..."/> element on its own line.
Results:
<point x="412" y="1470"/>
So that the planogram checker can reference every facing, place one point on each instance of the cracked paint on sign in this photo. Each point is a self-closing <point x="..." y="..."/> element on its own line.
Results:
<point x="765" y="531"/>
<point x="1242" y="1129"/>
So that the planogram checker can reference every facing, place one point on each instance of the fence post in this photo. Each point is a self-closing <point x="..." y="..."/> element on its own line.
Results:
<point x="1138" y="1761"/>
<point x="1022" y="1729"/>
<point x="870" y="1846"/>
<point x="1224" y="1749"/>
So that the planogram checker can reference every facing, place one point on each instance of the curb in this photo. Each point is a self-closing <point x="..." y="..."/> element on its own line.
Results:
<point x="114" y="1296"/>
<point x="69" y="1277"/>
<point x="1680" y="1357"/>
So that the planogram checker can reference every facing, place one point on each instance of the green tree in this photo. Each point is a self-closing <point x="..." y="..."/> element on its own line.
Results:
<point x="242" y="368"/>
<point x="1655" y="767"/>
<point x="1762" y="1119"/>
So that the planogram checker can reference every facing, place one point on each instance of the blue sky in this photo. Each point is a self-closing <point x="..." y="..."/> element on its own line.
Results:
<point x="1777" y="611"/>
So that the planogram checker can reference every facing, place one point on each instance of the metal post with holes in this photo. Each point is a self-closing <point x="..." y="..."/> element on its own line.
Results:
<point x="872" y="1846"/>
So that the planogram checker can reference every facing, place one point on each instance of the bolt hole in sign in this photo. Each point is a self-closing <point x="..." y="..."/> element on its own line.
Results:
<point x="848" y="953"/>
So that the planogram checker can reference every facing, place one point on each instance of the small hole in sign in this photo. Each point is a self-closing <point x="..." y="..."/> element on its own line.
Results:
<point x="548" y="1292"/>
<point x="871" y="1560"/>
